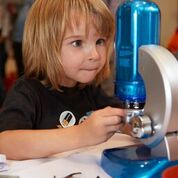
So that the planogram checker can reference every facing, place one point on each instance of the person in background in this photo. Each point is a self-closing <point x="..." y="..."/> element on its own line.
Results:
<point x="173" y="43"/>
<point x="2" y="92"/>
<point x="18" y="35"/>
<point x="58" y="105"/>
<point x="5" y="50"/>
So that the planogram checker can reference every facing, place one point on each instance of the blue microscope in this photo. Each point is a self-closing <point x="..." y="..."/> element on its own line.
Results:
<point x="147" y="85"/>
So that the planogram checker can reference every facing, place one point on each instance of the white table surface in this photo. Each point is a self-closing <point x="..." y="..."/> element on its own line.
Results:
<point x="86" y="160"/>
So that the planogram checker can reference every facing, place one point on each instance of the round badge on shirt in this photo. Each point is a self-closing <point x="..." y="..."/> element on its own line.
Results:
<point x="67" y="119"/>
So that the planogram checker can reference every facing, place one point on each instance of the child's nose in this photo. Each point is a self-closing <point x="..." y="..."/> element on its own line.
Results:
<point x="94" y="55"/>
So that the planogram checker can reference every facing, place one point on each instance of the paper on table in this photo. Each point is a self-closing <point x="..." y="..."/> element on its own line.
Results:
<point x="87" y="164"/>
<point x="86" y="160"/>
<point x="3" y="163"/>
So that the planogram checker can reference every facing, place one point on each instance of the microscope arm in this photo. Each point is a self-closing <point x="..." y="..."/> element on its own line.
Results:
<point x="159" y="67"/>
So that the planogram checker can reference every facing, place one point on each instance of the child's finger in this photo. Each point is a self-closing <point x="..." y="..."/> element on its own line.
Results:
<point x="113" y="120"/>
<point x="110" y="111"/>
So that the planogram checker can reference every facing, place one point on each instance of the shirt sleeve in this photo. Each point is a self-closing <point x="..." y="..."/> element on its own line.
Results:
<point x="19" y="108"/>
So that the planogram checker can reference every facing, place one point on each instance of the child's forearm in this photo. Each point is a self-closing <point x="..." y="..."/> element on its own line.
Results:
<point x="29" y="144"/>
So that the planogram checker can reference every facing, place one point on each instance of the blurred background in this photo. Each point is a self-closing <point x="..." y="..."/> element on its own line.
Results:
<point x="12" y="18"/>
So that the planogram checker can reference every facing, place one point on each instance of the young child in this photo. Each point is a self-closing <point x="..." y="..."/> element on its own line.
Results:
<point x="58" y="105"/>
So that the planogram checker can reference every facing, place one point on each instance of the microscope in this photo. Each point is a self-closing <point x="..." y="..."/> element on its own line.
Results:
<point x="157" y="127"/>
<point x="147" y="84"/>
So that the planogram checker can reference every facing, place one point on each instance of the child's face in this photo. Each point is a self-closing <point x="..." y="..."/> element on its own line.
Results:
<point x="82" y="56"/>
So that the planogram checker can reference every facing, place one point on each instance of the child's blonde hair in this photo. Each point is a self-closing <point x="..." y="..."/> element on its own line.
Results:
<point x="44" y="30"/>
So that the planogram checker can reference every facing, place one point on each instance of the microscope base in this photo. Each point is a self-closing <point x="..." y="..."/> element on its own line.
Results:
<point x="135" y="162"/>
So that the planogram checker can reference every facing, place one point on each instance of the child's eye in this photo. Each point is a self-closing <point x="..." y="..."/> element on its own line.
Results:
<point x="77" y="43"/>
<point x="101" y="41"/>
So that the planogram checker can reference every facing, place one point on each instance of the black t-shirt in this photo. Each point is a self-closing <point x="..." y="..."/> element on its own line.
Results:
<point x="31" y="105"/>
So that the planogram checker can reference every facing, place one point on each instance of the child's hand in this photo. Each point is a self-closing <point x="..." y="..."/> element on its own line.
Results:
<point x="101" y="125"/>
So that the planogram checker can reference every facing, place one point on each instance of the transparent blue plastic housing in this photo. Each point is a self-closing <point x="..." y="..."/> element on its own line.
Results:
<point x="134" y="162"/>
<point x="137" y="23"/>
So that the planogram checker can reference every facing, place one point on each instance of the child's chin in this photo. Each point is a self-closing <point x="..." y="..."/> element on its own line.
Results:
<point x="87" y="81"/>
